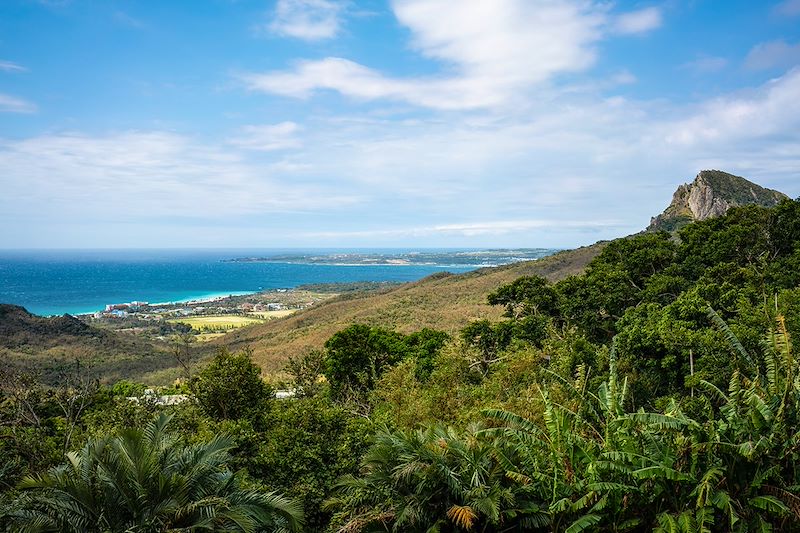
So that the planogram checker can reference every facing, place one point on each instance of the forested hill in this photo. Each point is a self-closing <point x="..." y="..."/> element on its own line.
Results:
<point x="442" y="302"/>
<point x="46" y="345"/>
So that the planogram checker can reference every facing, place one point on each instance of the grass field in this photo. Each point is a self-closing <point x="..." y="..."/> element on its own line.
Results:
<point x="217" y="322"/>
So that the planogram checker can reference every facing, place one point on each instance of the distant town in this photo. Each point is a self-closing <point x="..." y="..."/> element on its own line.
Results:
<point x="209" y="318"/>
<point x="205" y="318"/>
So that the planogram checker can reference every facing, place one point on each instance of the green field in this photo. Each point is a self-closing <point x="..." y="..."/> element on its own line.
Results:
<point x="217" y="322"/>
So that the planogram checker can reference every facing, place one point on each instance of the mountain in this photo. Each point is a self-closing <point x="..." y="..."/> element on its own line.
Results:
<point x="43" y="345"/>
<point x="711" y="194"/>
<point x="446" y="302"/>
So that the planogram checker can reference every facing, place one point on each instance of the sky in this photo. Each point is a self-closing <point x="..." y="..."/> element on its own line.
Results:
<point x="403" y="123"/>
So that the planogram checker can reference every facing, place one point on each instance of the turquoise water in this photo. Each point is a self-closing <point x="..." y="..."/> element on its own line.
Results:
<point x="57" y="282"/>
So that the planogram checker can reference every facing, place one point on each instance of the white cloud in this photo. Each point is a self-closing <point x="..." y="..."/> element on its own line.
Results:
<point x="772" y="54"/>
<point x="489" y="52"/>
<point x="362" y="83"/>
<point x="790" y="8"/>
<point x="268" y="137"/>
<point x="568" y="171"/>
<point x="122" y="176"/>
<point x="640" y="21"/>
<point x="307" y="19"/>
<point x="770" y="110"/>
<point x="510" y="39"/>
<point x="10" y="66"/>
<point x="12" y="104"/>
<point x="755" y="134"/>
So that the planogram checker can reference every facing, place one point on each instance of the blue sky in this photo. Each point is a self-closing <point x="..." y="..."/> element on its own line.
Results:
<point x="429" y="123"/>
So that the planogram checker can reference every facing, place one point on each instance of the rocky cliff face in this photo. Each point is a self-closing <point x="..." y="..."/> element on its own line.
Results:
<point x="711" y="194"/>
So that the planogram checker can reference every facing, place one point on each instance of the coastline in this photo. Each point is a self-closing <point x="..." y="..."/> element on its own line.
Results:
<point x="205" y="298"/>
<point x="50" y="283"/>
<point x="194" y="299"/>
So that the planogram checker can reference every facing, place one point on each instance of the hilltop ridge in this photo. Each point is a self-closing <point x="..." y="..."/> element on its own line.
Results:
<point x="711" y="194"/>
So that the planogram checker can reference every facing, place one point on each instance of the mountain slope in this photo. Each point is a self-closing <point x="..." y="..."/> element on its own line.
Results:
<point x="42" y="345"/>
<point x="444" y="302"/>
<point x="711" y="194"/>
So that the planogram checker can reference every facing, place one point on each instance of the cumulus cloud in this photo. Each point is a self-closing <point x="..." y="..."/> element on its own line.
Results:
<point x="12" y="104"/>
<point x="641" y="21"/>
<point x="772" y="54"/>
<point x="489" y="51"/>
<point x="310" y="20"/>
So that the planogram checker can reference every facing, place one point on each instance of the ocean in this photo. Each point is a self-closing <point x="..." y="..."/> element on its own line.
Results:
<point x="54" y="282"/>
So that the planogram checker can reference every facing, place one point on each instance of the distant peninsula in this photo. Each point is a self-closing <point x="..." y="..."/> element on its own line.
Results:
<point x="476" y="258"/>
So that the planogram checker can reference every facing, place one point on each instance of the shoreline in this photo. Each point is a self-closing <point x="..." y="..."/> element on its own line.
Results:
<point x="206" y="298"/>
<point x="202" y="298"/>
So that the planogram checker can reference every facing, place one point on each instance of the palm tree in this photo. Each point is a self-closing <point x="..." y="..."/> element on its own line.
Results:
<point x="145" y="480"/>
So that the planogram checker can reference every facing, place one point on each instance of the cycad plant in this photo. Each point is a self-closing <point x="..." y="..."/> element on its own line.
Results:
<point x="145" y="480"/>
<point x="432" y="480"/>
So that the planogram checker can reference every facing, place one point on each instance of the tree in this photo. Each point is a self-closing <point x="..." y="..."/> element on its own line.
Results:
<point x="306" y="372"/>
<point x="526" y="296"/>
<point x="490" y="339"/>
<point x="356" y="358"/>
<point x="423" y="346"/>
<point x="146" y="480"/>
<point x="231" y="387"/>
<point x="305" y="445"/>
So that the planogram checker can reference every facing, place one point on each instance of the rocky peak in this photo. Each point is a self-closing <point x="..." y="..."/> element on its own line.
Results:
<point x="711" y="194"/>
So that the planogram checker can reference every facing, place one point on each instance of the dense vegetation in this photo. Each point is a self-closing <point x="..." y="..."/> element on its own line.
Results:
<point x="657" y="391"/>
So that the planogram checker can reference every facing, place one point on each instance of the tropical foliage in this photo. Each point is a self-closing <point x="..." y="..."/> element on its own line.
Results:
<point x="594" y="464"/>
<point x="146" y="480"/>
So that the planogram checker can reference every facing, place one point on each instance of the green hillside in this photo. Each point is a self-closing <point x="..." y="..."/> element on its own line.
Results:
<point x="44" y="346"/>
